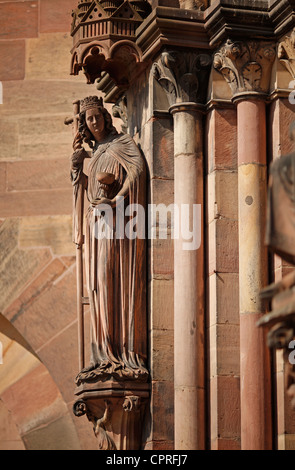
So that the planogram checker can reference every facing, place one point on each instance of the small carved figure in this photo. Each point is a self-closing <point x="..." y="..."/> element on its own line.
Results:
<point x="114" y="261"/>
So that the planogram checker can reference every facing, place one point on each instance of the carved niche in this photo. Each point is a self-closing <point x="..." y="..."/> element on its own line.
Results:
<point x="104" y="39"/>
<point x="183" y="75"/>
<point x="246" y="66"/>
<point x="286" y="53"/>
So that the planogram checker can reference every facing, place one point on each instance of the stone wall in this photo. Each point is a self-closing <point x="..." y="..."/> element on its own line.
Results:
<point x="38" y="326"/>
<point x="37" y="261"/>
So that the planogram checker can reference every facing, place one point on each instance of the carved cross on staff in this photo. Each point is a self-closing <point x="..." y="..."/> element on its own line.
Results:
<point x="78" y="239"/>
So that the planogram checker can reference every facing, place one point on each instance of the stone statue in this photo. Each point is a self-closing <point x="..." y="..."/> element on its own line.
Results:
<point x="114" y="259"/>
<point x="280" y="238"/>
<point x="280" y="232"/>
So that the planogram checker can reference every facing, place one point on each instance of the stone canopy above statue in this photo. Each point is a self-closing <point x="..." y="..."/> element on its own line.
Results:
<point x="99" y="25"/>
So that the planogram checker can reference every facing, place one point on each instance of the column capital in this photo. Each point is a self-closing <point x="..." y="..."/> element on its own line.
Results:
<point x="286" y="53"/>
<point x="184" y="76"/>
<point x="246" y="66"/>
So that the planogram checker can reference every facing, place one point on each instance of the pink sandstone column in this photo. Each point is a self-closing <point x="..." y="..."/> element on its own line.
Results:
<point x="256" y="427"/>
<point x="189" y="383"/>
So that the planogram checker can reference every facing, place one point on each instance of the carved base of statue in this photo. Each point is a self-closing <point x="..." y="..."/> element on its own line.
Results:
<point x="117" y="411"/>
<point x="111" y="369"/>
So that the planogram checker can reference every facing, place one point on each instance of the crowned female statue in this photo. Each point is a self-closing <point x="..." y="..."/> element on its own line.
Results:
<point x="114" y="259"/>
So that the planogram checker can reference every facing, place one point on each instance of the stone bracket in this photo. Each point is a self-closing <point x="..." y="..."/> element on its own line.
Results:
<point x="122" y="61"/>
<point x="116" y="411"/>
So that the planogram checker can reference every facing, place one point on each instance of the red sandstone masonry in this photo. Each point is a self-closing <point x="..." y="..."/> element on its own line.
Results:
<point x="12" y="64"/>
<point x="53" y="19"/>
<point x="20" y="20"/>
<point x="2" y="177"/>
<point x="43" y="281"/>
<point x="221" y="145"/>
<point x="38" y="175"/>
<point x="30" y="395"/>
<point x="37" y="310"/>
<point x="30" y="203"/>
<point x="63" y="346"/>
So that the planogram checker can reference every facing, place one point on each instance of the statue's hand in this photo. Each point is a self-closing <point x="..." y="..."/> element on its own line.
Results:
<point x="103" y="200"/>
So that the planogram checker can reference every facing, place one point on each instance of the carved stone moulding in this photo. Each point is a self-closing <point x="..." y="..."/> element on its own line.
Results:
<point x="286" y="53"/>
<point x="116" y="411"/>
<point x="246" y="66"/>
<point x="248" y="19"/>
<point x="227" y="18"/>
<point x="104" y="39"/>
<point x="282" y="16"/>
<point x="107" y="18"/>
<point x="122" y="62"/>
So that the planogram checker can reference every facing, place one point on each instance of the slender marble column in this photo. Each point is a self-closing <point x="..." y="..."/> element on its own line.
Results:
<point x="189" y="381"/>
<point x="184" y="76"/>
<point x="246" y="66"/>
<point x="256" y="426"/>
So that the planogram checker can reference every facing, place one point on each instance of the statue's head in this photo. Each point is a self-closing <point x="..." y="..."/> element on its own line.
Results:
<point x="95" y="122"/>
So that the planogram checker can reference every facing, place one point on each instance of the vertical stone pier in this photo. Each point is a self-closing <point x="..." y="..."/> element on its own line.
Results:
<point x="256" y="429"/>
<point x="189" y="354"/>
<point x="189" y="280"/>
<point x="246" y="66"/>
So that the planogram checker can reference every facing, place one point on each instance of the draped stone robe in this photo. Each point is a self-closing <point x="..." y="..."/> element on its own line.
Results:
<point x="115" y="266"/>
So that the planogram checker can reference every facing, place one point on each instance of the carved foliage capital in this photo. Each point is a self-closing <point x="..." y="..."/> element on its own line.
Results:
<point x="246" y="66"/>
<point x="286" y="53"/>
<point x="183" y="75"/>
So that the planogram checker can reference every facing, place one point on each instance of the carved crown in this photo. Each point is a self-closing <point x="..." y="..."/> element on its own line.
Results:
<point x="90" y="102"/>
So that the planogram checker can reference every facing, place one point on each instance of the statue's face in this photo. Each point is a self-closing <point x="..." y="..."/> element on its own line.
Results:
<point x="95" y="123"/>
